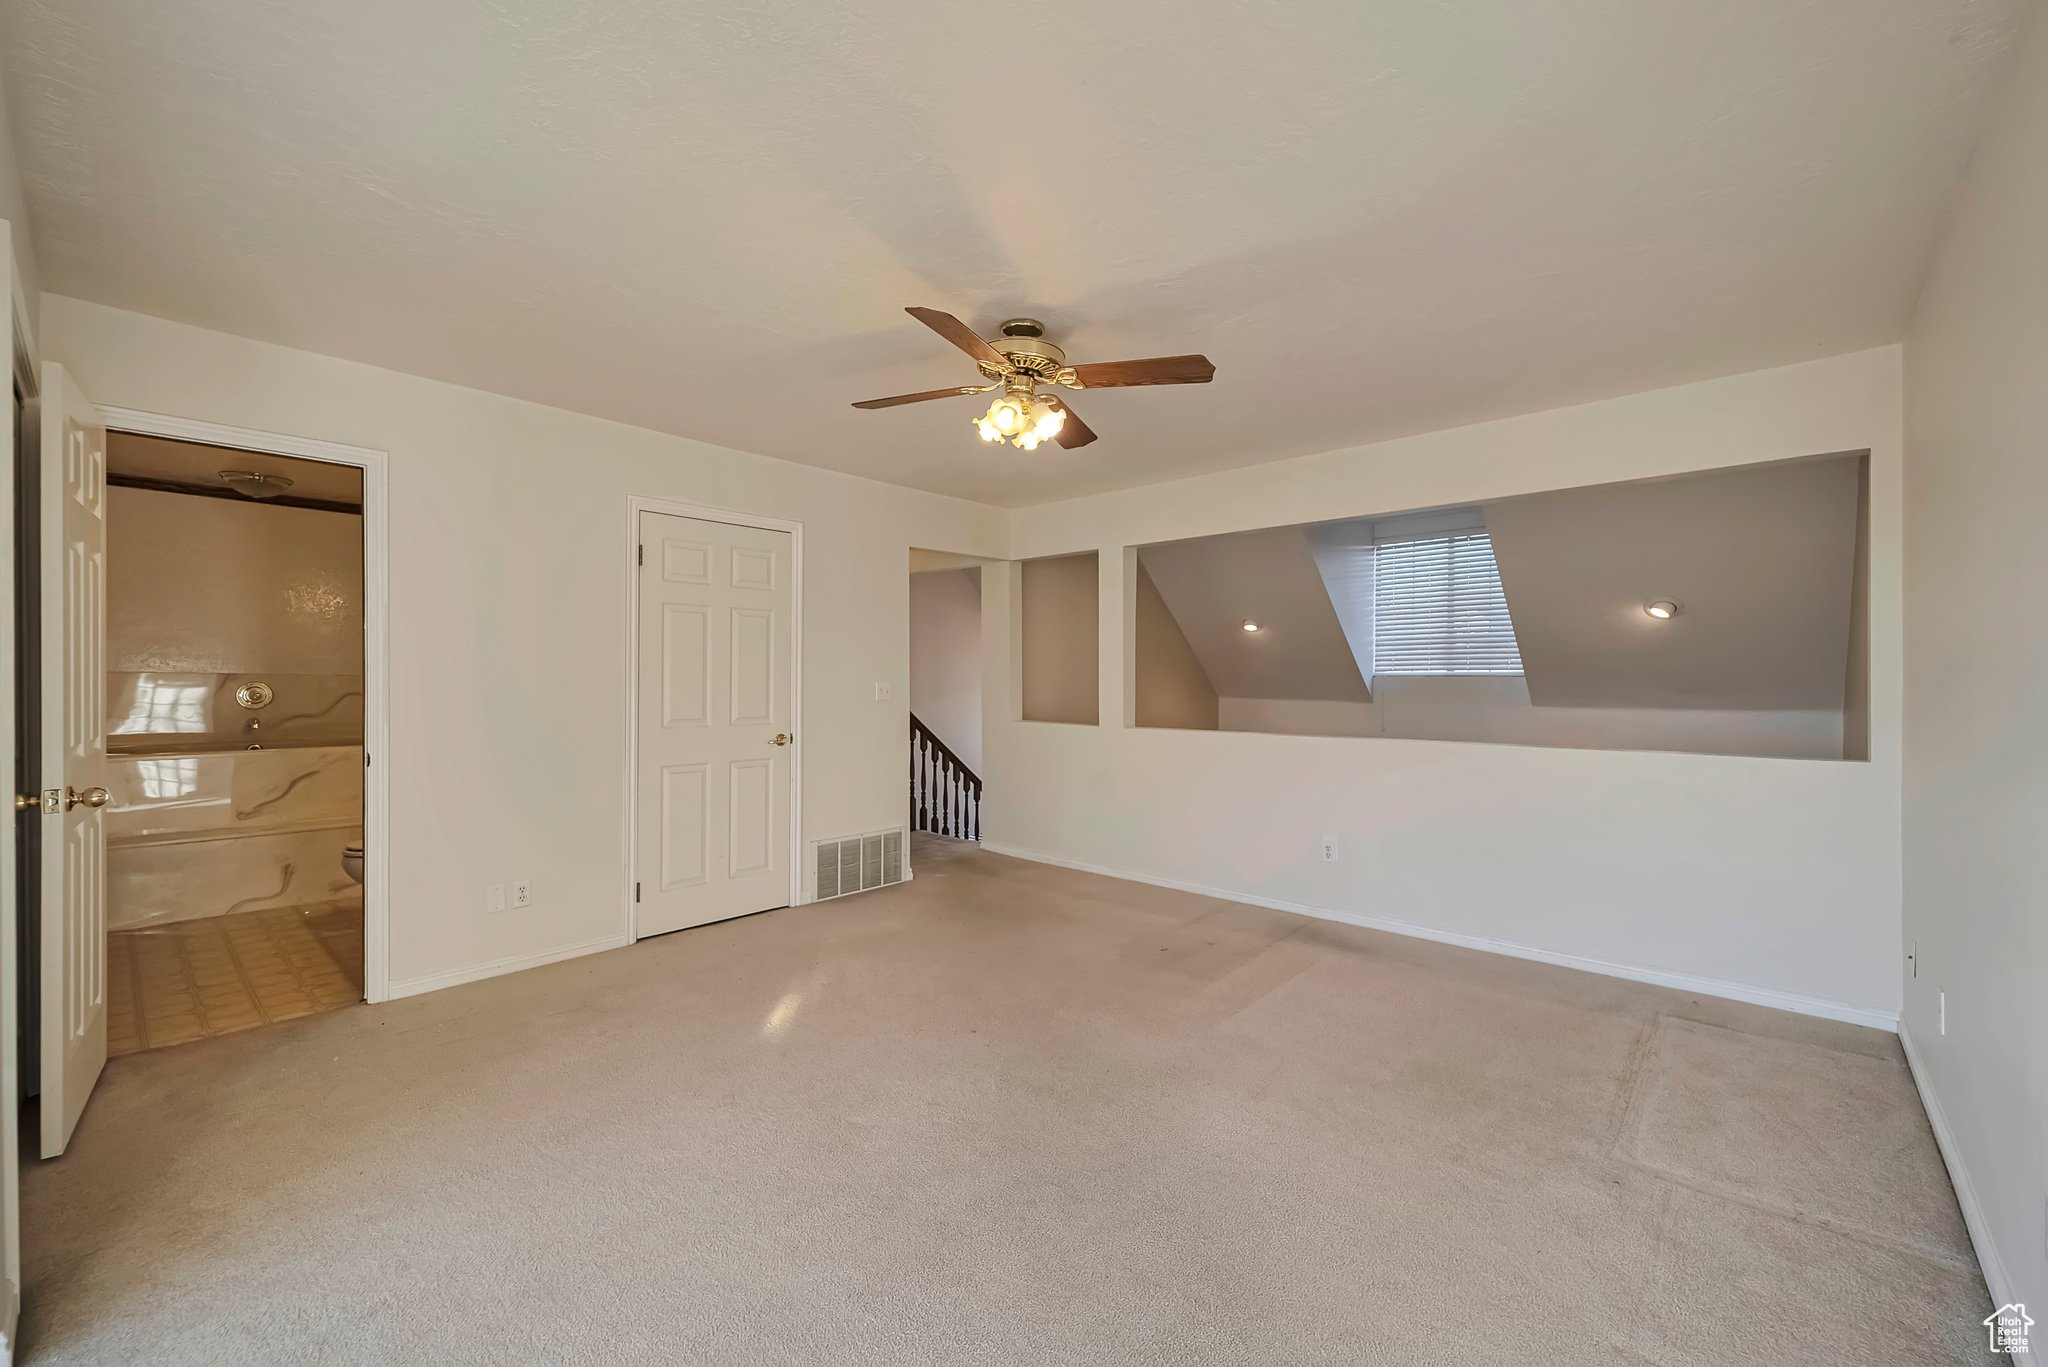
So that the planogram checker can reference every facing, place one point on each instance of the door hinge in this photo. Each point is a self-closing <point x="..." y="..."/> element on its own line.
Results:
<point x="636" y="892"/>
<point x="366" y="759"/>
<point x="640" y="558"/>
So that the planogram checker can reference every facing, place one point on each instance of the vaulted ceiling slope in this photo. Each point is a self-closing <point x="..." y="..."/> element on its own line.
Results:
<point x="1761" y="560"/>
<point x="706" y="219"/>
<point x="1214" y="584"/>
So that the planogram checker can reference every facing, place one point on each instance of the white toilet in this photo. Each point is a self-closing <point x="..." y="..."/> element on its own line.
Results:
<point x="352" y="863"/>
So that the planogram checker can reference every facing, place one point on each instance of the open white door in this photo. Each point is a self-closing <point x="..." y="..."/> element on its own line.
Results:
<point x="713" y="797"/>
<point x="74" y="613"/>
<point x="10" y="847"/>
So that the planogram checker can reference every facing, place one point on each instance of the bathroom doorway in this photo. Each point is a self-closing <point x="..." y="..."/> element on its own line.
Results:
<point x="235" y="694"/>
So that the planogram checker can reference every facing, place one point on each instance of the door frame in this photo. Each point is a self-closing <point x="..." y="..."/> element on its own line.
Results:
<point x="637" y="504"/>
<point x="376" y="645"/>
<point x="24" y="368"/>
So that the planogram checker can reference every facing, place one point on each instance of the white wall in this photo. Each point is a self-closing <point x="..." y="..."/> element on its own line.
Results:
<point x="1976" y="760"/>
<point x="509" y="557"/>
<point x="1496" y="708"/>
<point x="1764" y="878"/>
<point x="212" y="585"/>
<point x="1170" y="688"/>
<point x="945" y="658"/>
<point x="1298" y="716"/>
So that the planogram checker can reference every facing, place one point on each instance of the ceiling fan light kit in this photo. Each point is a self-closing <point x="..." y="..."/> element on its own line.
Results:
<point x="1019" y="361"/>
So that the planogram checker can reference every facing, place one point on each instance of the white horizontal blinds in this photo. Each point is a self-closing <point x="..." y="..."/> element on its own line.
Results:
<point x="1438" y="607"/>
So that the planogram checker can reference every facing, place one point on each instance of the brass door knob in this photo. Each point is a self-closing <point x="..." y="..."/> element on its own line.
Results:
<point x="27" y="802"/>
<point x="91" y="797"/>
<point x="782" y="738"/>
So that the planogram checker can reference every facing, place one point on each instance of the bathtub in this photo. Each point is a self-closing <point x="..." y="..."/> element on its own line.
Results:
<point x="194" y="831"/>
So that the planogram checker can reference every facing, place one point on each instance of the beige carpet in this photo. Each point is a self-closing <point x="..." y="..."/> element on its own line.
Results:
<point x="1011" y="1114"/>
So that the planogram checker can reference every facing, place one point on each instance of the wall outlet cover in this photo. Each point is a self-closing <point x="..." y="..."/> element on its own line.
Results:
<point x="884" y="692"/>
<point x="522" y="893"/>
<point x="494" y="898"/>
<point x="1329" y="849"/>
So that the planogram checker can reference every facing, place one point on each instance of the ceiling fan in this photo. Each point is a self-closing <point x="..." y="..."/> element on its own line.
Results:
<point x="1019" y="361"/>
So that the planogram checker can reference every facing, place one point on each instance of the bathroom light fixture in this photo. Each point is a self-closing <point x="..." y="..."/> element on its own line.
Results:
<point x="255" y="484"/>
<point x="1663" y="609"/>
<point x="1250" y="625"/>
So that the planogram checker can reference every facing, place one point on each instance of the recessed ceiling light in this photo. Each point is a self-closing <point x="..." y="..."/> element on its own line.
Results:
<point x="1663" y="609"/>
<point x="1250" y="625"/>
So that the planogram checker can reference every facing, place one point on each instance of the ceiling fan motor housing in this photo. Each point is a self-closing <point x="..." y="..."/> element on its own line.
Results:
<point x="1023" y="342"/>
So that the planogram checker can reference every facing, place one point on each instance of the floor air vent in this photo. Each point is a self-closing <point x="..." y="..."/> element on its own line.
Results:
<point x="858" y="862"/>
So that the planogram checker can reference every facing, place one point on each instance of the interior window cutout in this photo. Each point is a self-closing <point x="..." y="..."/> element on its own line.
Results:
<point x="1061" y="639"/>
<point x="1718" y="612"/>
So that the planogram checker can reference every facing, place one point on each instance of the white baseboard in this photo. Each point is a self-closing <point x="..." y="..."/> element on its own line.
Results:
<point x="1711" y="987"/>
<point x="2003" y="1292"/>
<point x="434" y="982"/>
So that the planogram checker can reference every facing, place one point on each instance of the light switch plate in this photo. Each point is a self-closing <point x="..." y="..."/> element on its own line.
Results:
<point x="884" y="692"/>
<point x="494" y="898"/>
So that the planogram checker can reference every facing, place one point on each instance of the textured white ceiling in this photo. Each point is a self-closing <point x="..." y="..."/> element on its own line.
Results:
<point x="706" y="219"/>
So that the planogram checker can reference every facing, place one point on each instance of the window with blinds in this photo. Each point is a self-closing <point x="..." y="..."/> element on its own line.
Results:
<point x="1438" y="607"/>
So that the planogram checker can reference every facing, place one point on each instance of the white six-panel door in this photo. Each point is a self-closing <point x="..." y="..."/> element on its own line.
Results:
<point x="74" y="613"/>
<point x="712" y="797"/>
<point x="10" y="855"/>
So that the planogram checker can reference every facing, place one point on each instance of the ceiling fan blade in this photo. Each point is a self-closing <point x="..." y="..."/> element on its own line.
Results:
<point x="895" y="399"/>
<point x="960" y="335"/>
<point x="1073" y="432"/>
<point x="1155" y="370"/>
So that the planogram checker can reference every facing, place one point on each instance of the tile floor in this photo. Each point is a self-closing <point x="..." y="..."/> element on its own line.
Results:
<point x="189" y="980"/>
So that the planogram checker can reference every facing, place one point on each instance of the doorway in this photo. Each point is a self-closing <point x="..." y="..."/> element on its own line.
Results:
<point x="176" y="765"/>
<point x="716" y="772"/>
<point x="234" y="706"/>
<point x="945" y="695"/>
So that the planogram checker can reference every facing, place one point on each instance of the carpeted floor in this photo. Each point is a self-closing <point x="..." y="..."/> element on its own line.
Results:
<point x="1011" y="1114"/>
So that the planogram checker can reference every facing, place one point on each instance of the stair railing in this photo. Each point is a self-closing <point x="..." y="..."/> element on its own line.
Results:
<point x="945" y="795"/>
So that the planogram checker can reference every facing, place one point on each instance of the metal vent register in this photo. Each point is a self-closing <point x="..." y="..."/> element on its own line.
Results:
<point x="858" y="862"/>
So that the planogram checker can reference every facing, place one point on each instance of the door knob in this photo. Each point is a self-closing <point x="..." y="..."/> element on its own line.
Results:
<point x="782" y="738"/>
<point x="91" y="797"/>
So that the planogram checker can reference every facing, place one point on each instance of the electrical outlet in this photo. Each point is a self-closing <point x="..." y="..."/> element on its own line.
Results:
<point x="1329" y="849"/>
<point x="884" y="691"/>
<point x="522" y="894"/>
<point x="494" y="898"/>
